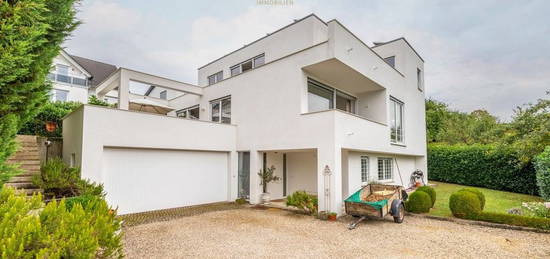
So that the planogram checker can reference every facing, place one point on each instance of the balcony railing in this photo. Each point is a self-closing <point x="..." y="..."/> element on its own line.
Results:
<point x="68" y="79"/>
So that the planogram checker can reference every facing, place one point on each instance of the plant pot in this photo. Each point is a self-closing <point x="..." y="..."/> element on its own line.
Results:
<point x="265" y="198"/>
<point x="418" y="184"/>
<point x="331" y="217"/>
<point x="51" y="126"/>
<point x="323" y="215"/>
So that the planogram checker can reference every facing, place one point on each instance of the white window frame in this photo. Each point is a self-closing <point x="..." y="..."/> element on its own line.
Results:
<point x="239" y="66"/>
<point x="216" y="77"/>
<point x="220" y="111"/>
<point x="185" y="112"/>
<point x="399" y="136"/>
<point x="365" y="169"/>
<point x="386" y="170"/>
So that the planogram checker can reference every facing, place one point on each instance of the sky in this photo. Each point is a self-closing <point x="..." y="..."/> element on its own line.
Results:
<point x="483" y="54"/>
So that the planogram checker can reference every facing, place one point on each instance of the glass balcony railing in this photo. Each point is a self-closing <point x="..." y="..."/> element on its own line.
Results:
<point x="68" y="79"/>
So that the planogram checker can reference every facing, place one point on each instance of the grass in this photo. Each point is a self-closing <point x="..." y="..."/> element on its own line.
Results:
<point x="496" y="201"/>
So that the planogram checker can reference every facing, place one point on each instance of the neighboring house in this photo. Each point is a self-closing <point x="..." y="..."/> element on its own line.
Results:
<point x="73" y="78"/>
<point x="328" y="111"/>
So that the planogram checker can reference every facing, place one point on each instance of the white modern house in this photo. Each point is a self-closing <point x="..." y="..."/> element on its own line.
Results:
<point x="312" y="99"/>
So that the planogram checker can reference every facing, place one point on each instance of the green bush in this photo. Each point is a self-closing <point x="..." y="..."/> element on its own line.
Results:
<point x="430" y="191"/>
<point x="419" y="202"/>
<point x="463" y="204"/>
<point x="31" y="229"/>
<point x="93" y="100"/>
<point x="303" y="201"/>
<point x="535" y="209"/>
<point x="498" y="168"/>
<point x="59" y="180"/>
<point x="510" y="219"/>
<point x="51" y="111"/>
<point x="542" y="167"/>
<point x="478" y="193"/>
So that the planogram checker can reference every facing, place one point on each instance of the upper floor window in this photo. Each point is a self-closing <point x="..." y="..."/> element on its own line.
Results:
<point x="419" y="79"/>
<point x="385" y="169"/>
<point x="212" y="79"/>
<point x="163" y="95"/>
<point x="62" y="69"/>
<point x="221" y="110"/>
<point x="396" y="120"/>
<point x="365" y="169"/>
<point x="322" y="97"/>
<point x="390" y="60"/>
<point x="189" y="113"/>
<point x="59" y="95"/>
<point x="248" y="65"/>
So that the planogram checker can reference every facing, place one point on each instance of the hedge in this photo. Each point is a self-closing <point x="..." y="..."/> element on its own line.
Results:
<point x="542" y="166"/>
<point x="511" y="219"/>
<point x="51" y="111"/>
<point x="419" y="202"/>
<point x="486" y="166"/>
<point x="430" y="191"/>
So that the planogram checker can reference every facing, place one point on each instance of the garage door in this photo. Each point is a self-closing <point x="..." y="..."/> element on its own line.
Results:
<point x="138" y="180"/>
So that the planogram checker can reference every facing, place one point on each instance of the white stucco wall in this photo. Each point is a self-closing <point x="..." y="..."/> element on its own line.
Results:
<point x="75" y="93"/>
<point x="302" y="172"/>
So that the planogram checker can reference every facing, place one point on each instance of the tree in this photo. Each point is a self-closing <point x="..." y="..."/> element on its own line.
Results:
<point x="267" y="176"/>
<point x="31" y="32"/>
<point x="436" y="113"/>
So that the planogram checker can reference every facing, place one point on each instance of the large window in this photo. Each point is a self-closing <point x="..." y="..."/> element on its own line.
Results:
<point x="248" y="65"/>
<point x="212" y="79"/>
<point x="385" y="169"/>
<point x="419" y="79"/>
<point x="63" y="74"/>
<point x="364" y="169"/>
<point x="396" y="120"/>
<point x="59" y="95"/>
<point x="322" y="97"/>
<point x="189" y="113"/>
<point x="221" y="110"/>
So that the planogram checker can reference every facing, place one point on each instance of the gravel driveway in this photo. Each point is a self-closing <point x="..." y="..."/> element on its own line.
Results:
<point x="277" y="233"/>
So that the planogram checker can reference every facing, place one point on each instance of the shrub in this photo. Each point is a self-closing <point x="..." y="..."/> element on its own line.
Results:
<point x="51" y="111"/>
<point x="31" y="230"/>
<point x="430" y="191"/>
<point x="464" y="204"/>
<point x="419" y="202"/>
<point x="478" y="193"/>
<point x="96" y="101"/>
<point x="59" y="180"/>
<point x="303" y="201"/>
<point x="542" y="167"/>
<point x="240" y="201"/>
<point x="536" y="209"/>
<point x="498" y="168"/>
<point x="510" y="219"/>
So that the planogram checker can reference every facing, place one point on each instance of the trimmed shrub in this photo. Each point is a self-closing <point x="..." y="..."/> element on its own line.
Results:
<point x="464" y="204"/>
<point x="31" y="229"/>
<point x="478" y="193"/>
<point x="510" y="219"/>
<point x="430" y="191"/>
<point x="542" y="167"/>
<point x="419" y="202"/>
<point x="498" y="168"/>
<point x="303" y="201"/>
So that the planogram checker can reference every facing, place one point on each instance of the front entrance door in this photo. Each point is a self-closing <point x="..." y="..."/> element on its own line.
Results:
<point x="244" y="175"/>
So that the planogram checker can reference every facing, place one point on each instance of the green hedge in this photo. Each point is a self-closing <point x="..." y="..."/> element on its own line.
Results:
<point x="430" y="191"/>
<point x="542" y="165"/>
<point x="419" y="202"/>
<point x="511" y="219"/>
<point x="481" y="165"/>
<point x="51" y="111"/>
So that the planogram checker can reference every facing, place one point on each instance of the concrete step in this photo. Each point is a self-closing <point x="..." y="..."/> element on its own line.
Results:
<point x="29" y="173"/>
<point x="24" y="149"/>
<point x="21" y="179"/>
<point x="30" y="191"/>
<point x="24" y="161"/>
<point x="25" y="156"/>
<point x="24" y="185"/>
<point x="25" y="138"/>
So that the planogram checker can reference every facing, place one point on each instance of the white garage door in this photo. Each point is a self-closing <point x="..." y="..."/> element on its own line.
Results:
<point x="138" y="180"/>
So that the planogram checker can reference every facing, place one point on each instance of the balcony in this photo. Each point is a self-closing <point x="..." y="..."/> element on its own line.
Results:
<point x="68" y="79"/>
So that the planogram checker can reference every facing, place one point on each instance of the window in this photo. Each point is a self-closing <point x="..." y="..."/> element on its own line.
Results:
<point x="385" y="169"/>
<point x="163" y="95"/>
<point x="212" y="79"/>
<point x="248" y="65"/>
<point x="322" y="97"/>
<point x="80" y="81"/>
<point x="62" y="69"/>
<point x="221" y="110"/>
<point x="419" y="79"/>
<point x="59" y="95"/>
<point x="390" y="60"/>
<point x="189" y="113"/>
<point x="364" y="169"/>
<point x="396" y="120"/>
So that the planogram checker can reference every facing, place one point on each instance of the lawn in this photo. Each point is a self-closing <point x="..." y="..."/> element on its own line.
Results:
<point x="496" y="201"/>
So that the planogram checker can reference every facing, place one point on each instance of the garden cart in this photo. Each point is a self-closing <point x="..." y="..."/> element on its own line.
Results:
<point x="376" y="200"/>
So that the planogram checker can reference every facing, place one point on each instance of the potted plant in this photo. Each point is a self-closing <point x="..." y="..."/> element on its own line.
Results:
<point x="323" y="215"/>
<point x="332" y="216"/>
<point x="265" y="178"/>
<point x="51" y="126"/>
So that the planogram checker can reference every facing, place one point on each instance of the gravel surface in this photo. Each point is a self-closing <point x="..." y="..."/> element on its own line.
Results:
<point x="277" y="233"/>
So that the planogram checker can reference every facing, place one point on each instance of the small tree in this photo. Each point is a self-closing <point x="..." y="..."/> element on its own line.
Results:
<point x="267" y="177"/>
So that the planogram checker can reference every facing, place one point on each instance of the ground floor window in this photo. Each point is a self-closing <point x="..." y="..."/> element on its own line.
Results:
<point x="385" y="168"/>
<point x="189" y="113"/>
<point x="364" y="169"/>
<point x="221" y="110"/>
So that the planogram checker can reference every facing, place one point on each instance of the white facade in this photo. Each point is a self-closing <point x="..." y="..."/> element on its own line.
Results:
<point x="70" y="82"/>
<point x="319" y="98"/>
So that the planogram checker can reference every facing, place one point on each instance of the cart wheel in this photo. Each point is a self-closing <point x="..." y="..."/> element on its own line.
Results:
<point x="400" y="214"/>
